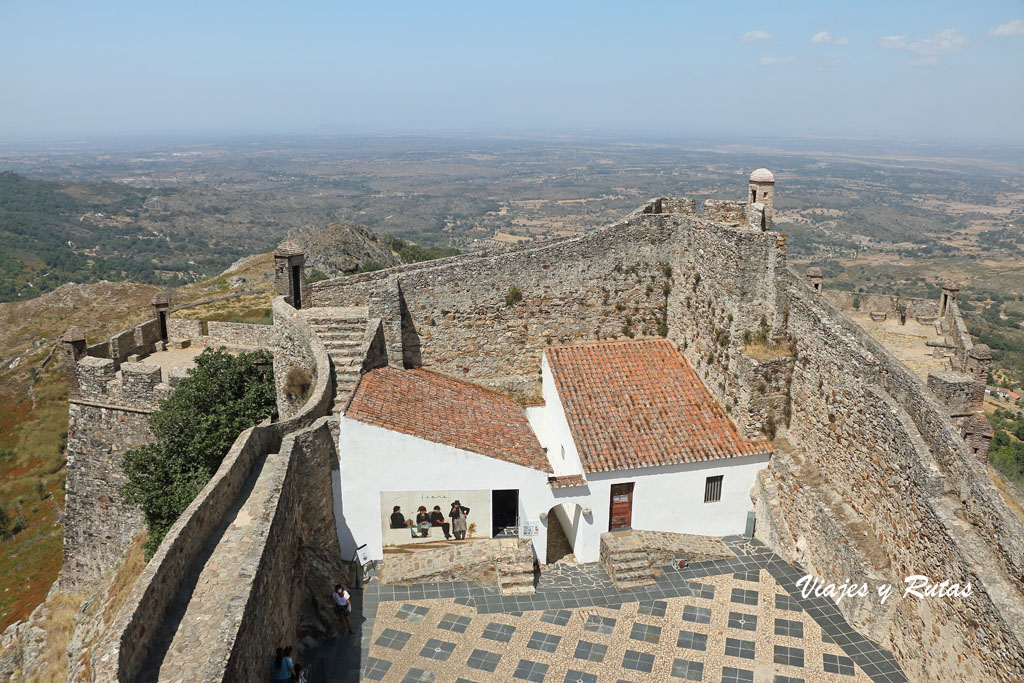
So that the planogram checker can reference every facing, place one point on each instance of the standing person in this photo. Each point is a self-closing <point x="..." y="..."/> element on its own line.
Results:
<point x="423" y="521"/>
<point x="282" y="668"/>
<point x="343" y="607"/>
<point x="301" y="676"/>
<point x="437" y="519"/>
<point x="459" y="524"/>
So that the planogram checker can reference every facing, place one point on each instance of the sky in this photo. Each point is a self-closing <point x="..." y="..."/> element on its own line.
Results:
<point x="933" y="71"/>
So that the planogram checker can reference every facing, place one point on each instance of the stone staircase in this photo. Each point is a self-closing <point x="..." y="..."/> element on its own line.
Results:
<point x="514" y="567"/>
<point x="627" y="563"/>
<point x="342" y="331"/>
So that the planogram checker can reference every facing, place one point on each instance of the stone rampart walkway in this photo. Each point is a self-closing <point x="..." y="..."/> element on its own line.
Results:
<point x="211" y="591"/>
<point x="716" y="620"/>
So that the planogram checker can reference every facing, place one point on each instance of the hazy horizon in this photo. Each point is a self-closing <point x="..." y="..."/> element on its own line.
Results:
<point x="935" y="72"/>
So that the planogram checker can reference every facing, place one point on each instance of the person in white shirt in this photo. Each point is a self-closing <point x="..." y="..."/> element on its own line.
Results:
<point x="343" y="607"/>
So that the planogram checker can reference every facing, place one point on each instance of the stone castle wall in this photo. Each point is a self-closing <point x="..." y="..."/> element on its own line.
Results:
<point x="124" y="650"/>
<point x="874" y="484"/>
<point x="132" y="633"/>
<point x="725" y="291"/>
<point x="884" y="444"/>
<point x="108" y="415"/>
<point x="109" y="407"/>
<point x="289" y="588"/>
<point x="606" y="284"/>
<point x="861" y="424"/>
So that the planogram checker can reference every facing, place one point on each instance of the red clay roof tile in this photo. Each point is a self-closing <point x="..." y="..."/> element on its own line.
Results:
<point x="446" y="410"/>
<point x="638" y="403"/>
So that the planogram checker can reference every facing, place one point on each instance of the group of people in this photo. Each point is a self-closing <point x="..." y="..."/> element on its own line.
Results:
<point x="284" y="669"/>
<point x="424" y="520"/>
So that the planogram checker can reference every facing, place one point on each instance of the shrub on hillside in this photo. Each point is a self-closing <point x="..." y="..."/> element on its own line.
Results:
<point x="193" y="430"/>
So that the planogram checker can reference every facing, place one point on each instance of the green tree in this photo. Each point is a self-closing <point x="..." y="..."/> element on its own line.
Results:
<point x="194" y="429"/>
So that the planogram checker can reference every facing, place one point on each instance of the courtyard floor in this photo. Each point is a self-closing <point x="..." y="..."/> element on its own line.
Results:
<point x="730" y="620"/>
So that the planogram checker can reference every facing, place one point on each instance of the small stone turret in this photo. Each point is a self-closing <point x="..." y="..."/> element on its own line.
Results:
<point x="815" y="278"/>
<point x="977" y="433"/>
<point x="73" y="348"/>
<point x="289" y="274"/>
<point x="762" y="191"/>
<point x="950" y="290"/>
<point x="161" y="305"/>
<point x="979" y="360"/>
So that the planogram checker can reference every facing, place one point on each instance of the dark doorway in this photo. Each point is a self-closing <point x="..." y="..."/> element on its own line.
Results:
<point x="296" y="287"/>
<point x="559" y="544"/>
<point x="753" y="196"/>
<point x="505" y="513"/>
<point x="621" y="514"/>
<point x="163" y="325"/>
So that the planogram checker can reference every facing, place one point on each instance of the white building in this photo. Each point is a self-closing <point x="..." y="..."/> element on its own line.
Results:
<point x="627" y="437"/>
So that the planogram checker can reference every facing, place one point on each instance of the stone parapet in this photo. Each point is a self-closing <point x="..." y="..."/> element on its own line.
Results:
<point x="135" y="630"/>
<point x="298" y="346"/>
<point x="131" y="635"/>
<point x="960" y="394"/>
<point x="459" y="315"/>
<point x="726" y="211"/>
<point x="885" y="445"/>
<point x="137" y="385"/>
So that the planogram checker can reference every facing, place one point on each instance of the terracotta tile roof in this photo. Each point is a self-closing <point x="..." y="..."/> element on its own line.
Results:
<point x="638" y="403"/>
<point x="446" y="410"/>
<point x="566" y="481"/>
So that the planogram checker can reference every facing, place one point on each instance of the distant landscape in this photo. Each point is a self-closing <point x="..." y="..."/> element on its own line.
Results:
<point x="875" y="219"/>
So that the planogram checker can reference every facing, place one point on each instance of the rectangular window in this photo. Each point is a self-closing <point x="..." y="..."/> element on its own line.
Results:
<point x="713" y="489"/>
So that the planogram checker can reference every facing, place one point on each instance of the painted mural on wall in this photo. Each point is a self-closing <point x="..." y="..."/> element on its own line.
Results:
<point x="425" y="516"/>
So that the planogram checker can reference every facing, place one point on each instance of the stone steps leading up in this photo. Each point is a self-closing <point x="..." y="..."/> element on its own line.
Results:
<point x="342" y="331"/>
<point x="628" y="565"/>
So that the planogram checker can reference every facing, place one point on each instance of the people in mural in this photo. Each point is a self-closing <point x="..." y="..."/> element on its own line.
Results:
<point x="397" y="518"/>
<point x="458" y="514"/>
<point x="437" y="519"/>
<point x="423" y="521"/>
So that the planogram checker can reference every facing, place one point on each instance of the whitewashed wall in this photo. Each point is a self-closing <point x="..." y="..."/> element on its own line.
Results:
<point x="375" y="459"/>
<point x="552" y="428"/>
<point x="668" y="498"/>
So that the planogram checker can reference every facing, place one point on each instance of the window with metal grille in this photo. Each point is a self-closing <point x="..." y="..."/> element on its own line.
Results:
<point x="713" y="489"/>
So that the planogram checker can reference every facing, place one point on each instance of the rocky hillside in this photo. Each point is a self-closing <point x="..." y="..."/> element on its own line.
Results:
<point x="344" y="248"/>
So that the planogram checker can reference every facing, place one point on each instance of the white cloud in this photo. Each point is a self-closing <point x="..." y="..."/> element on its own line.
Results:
<point x="892" y="42"/>
<point x="756" y="37"/>
<point x="1009" y="29"/>
<point x="826" y="38"/>
<point x="777" y="61"/>
<point x="941" y="43"/>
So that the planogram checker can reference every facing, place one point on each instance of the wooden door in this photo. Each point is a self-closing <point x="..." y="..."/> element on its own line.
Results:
<point x="621" y="513"/>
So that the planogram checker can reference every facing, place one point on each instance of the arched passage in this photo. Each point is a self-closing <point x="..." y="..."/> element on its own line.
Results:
<point x="563" y="523"/>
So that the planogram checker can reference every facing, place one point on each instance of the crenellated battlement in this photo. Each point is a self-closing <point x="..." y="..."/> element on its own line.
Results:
<point x="113" y="386"/>
<point x="139" y="386"/>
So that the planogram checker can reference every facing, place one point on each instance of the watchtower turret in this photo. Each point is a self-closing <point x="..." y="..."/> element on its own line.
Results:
<point x="762" y="191"/>
<point x="289" y="274"/>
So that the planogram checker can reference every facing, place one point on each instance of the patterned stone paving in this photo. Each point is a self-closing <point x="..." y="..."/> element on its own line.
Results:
<point x="735" y="619"/>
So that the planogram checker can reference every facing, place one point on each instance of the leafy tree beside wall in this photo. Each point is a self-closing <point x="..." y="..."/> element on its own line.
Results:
<point x="194" y="429"/>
